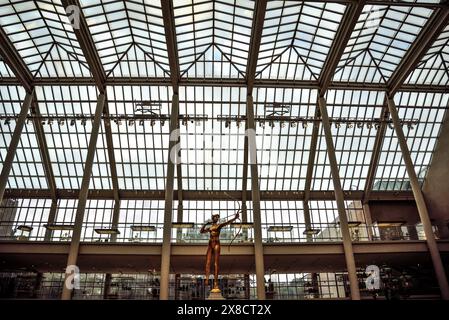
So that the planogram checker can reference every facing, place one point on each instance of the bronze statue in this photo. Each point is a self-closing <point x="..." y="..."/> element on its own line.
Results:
<point x="214" y="246"/>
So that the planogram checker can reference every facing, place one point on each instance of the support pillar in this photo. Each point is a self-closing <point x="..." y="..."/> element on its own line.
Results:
<point x="255" y="193"/>
<point x="37" y="285"/>
<point x="368" y="220"/>
<point x="179" y="218"/>
<point x="107" y="285"/>
<point x="247" y="287"/>
<point x="166" y="239"/>
<point x="115" y="218"/>
<point x="7" y="164"/>
<point x="347" y="244"/>
<point x="419" y="199"/>
<point x="245" y="183"/>
<point x="177" y="285"/>
<point x="51" y="220"/>
<point x="79" y="217"/>
<point x="307" y="220"/>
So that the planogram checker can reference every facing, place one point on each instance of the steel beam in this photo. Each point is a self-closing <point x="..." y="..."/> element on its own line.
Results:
<point x="51" y="220"/>
<point x="432" y="29"/>
<point x="339" y="197"/>
<point x="79" y="217"/>
<point x="112" y="168"/>
<point x="375" y="155"/>
<point x="206" y="195"/>
<point x="110" y="150"/>
<point x="245" y="175"/>
<point x="258" y="83"/>
<point x="43" y="148"/>
<point x="10" y="155"/>
<point x="340" y="42"/>
<point x="350" y="18"/>
<point x="256" y="36"/>
<point x="255" y="192"/>
<point x="88" y="47"/>
<point x="168" y="211"/>
<point x="420" y="203"/>
<point x="309" y="173"/>
<point x="15" y="62"/>
<point x="179" y="185"/>
<point x="170" y="39"/>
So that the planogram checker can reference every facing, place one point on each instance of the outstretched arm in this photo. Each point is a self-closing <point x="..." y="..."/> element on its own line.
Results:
<point x="224" y="224"/>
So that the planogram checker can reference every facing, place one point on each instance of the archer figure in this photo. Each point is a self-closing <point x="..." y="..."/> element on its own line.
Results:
<point x="214" y="246"/>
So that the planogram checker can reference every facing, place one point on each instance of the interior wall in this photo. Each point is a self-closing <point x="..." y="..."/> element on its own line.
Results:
<point x="394" y="211"/>
<point x="436" y="185"/>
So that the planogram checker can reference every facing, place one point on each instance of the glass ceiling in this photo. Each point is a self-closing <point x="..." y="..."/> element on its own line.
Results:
<point x="5" y="71"/>
<point x="379" y="41"/>
<point x="434" y="67"/>
<point x="213" y="37"/>
<point x="213" y="40"/>
<point x="129" y="36"/>
<point x="296" y="39"/>
<point x="42" y="34"/>
<point x="140" y="146"/>
<point x="353" y="130"/>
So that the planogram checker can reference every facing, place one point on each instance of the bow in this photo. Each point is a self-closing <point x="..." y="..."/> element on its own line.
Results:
<point x="240" y="229"/>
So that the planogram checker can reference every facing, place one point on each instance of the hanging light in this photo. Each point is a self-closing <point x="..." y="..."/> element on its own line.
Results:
<point x="83" y="122"/>
<point x="305" y="124"/>
<point x="141" y="122"/>
<point x="162" y="122"/>
<point x="72" y="122"/>
<point x="61" y="122"/>
<point x="337" y="124"/>
<point x="350" y="125"/>
<point x="360" y="124"/>
<point x="369" y="125"/>
<point x="7" y="121"/>
<point x="131" y="122"/>
<point x="271" y="124"/>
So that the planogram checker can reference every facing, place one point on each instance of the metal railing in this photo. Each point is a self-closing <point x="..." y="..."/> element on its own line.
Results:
<point x="132" y="232"/>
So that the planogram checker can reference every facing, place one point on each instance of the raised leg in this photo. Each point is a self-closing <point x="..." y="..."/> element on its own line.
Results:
<point x="208" y="258"/>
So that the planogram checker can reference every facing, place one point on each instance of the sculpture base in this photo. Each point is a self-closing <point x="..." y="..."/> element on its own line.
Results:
<point x="215" y="294"/>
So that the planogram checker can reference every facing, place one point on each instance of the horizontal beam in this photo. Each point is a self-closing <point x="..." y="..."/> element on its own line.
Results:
<point x="189" y="258"/>
<point x="206" y="195"/>
<point x="261" y="83"/>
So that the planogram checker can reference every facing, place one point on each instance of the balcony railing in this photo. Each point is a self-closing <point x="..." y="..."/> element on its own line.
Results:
<point x="133" y="232"/>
